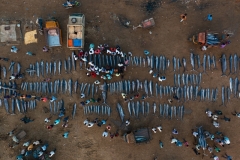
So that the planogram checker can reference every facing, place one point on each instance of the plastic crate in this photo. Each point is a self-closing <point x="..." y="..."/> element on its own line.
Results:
<point x="77" y="42"/>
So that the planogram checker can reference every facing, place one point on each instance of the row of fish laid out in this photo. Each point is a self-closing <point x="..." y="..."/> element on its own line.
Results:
<point x="103" y="110"/>
<point x="191" y="79"/>
<point x="196" y="62"/>
<point x="11" y="68"/>
<point x="234" y="62"/>
<point x="55" y="107"/>
<point x="48" y="87"/>
<point x="11" y="88"/>
<point x="22" y="106"/>
<point x="46" y="68"/>
<point x="102" y="60"/>
<point x="164" y="110"/>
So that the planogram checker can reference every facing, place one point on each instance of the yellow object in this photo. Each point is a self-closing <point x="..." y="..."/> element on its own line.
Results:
<point x="51" y="24"/>
<point x="30" y="147"/>
<point x="30" y="37"/>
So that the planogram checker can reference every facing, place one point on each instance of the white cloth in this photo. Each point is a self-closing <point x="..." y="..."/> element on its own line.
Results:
<point x="195" y="134"/>
<point x="90" y="124"/>
<point x="105" y="134"/>
<point x="86" y="122"/>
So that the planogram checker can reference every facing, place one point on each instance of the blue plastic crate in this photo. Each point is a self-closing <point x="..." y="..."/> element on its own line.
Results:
<point x="77" y="42"/>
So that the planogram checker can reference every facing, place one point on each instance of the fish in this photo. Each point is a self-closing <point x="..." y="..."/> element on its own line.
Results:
<point x="18" y="105"/>
<point x="150" y="88"/>
<point x="144" y="62"/>
<point x="4" y="72"/>
<point x="18" y="68"/>
<point x="235" y="86"/>
<point x="74" y="110"/>
<point x="204" y="63"/>
<point x="235" y="60"/>
<point x="42" y="67"/>
<point x="104" y="95"/>
<point x="129" y="108"/>
<point x="46" y="67"/>
<point x="65" y="66"/>
<point x="11" y="65"/>
<point x="178" y="64"/>
<point x="228" y="94"/>
<point x="198" y="61"/>
<point x="224" y="64"/>
<point x="174" y="60"/>
<point x="54" y="67"/>
<point x="70" y="87"/>
<point x="184" y="64"/>
<point x="38" y="69"/>
<point x="209" y="62"/>
<point x="13" y="106"/>
<point x="192" y="59"/>
<point x="154" y="108"/>
<point x="69" y="64"/>
<point x="148" y="61"/>
<point x="74" y="62"/>
<point x="231" y="84"/>
<point x="146" y="87"/>
<point x="230" y="63"/>
<point x="59" y="66"/>
<point x="6" y="105"/>
<point x="156" y="89"/>
<point x="152" y="61"/>
<point x="223" y="95"/>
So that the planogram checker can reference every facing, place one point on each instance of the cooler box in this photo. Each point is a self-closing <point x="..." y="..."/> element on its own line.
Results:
<point x="77" y="42"/>
<point x="70" y="43"/>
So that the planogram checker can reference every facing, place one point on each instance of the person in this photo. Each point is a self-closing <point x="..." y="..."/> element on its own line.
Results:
<point x="217" y="149"/>
<point x="226" y="140"/>
<point x="53" y="99"/>
<point x="95" y="120"/>
<point x="26" y="144"/>
<point x="209" y="17"/>
<point x="26" y="119"/>
<point x="214" y="157"/>
<point x="175" y="96"/>
<point x="93" y="74"/>
<point x="124" y="95"/>
<point x="75" y="57"/>
<point x="103" y="77"/>
<point x="4" y="59"/>
<point x="50" y="127"/>
<point x="65" y="135"/>
<point x="151" y="71"/>
<point x="209" y="113"/>
<point x="178" y="143"/>
<point x="223" y="45"/>
<point x="85" y="122"/>
<point x="101" y="123"/>
<point x="20" y="157"/>
<point x="11" y="132"/>
<point x="108" y="127"/>
<point x="52" y="152"/>
<point x="216" y="124"/>
<point x="90" y="124"/>
<point x="82" y="103"/>
<point x="146" y="52"/>
<point x="195" y="151"/>
<point x="174" y="131"/>
<point x="219" y="142"/>
<point x="40" y="154"/>
<point x="69" y="3"/>
<point x="105" y="134"/>
<point x="227" y="156"/>
<point x="144" y="97"/>
<point x="170" y="101"/>
<point x="127" y="122"/>
<point x="131" y="98"/>
<point x="136" y="95"/>
<point x="112" y="135"/>
<point x="44" y="147"/>
<point x="195" y="134"/>
<point x="82" y="95"/>
<point x="185" y="142"/>
<point x="226" y="119"/>
<point x="159" y="128"/>
<point x="30" y="147"/>
<point x="162" y="78"/>
<point x="98" y="100"/>
<point x="87" y="101"/>
<point x="47" y="120"/>
<point x="57" y="121"/>
<point x="214" y="117"/>
<point x="65" y="119"/>
<point x="218" y="112"/>
<point x="116" y="134"/>
<point x="160" y="144"/>
<point x="237" y="114"/>
<point x="154" y="130"/>
<point x="14" y="49"/>
<point x="183" y="17"/>
<point x="117" y="74"/>
<point x="109" y="76"/>
<point x="44" y="99"/>
<point x="12" y="77"/>
<point x="92" y="100"/>
<point x="174" y="140"/>
<point x="65" y="125"/>
<point x="45" y="49"/>
<point x="210" y="149"/>
<point x="198" y="147"/>
<point x="37" y="142"/>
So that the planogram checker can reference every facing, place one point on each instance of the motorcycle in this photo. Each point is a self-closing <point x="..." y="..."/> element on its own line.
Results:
<point x="73" y="4"/>
<point x="39" y="23"/>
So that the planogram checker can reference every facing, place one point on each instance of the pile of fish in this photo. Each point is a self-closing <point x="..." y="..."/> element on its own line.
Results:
<point x="102" y="60"/>
<point x="11" y="87"/>
<point x="196" y="62"/>
<point x="55" y="107"/>
<point x="50" y="68"/>
<point x="164" y="110"/>
<point x="22" y="106"/>
<point x="103" y="110"/>
<point x="191" y="79"/>
<point x="11" y="68"/>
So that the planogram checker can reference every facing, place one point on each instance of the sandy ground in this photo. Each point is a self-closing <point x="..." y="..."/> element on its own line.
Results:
<point x="169" y="38"/>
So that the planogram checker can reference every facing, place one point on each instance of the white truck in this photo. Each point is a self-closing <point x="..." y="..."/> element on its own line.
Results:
<point x="75" y="31"/>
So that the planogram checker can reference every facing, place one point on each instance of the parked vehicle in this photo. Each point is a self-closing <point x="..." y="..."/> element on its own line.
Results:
<point x="75" y="31"/>
<point x="53" y="33"/>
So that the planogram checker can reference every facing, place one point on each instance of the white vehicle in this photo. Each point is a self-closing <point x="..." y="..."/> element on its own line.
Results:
<point x="75" y="31"/>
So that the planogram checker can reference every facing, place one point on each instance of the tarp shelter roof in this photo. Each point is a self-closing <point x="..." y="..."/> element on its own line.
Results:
<point x="30" y="37"/>
<point x="8" y="33"/>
